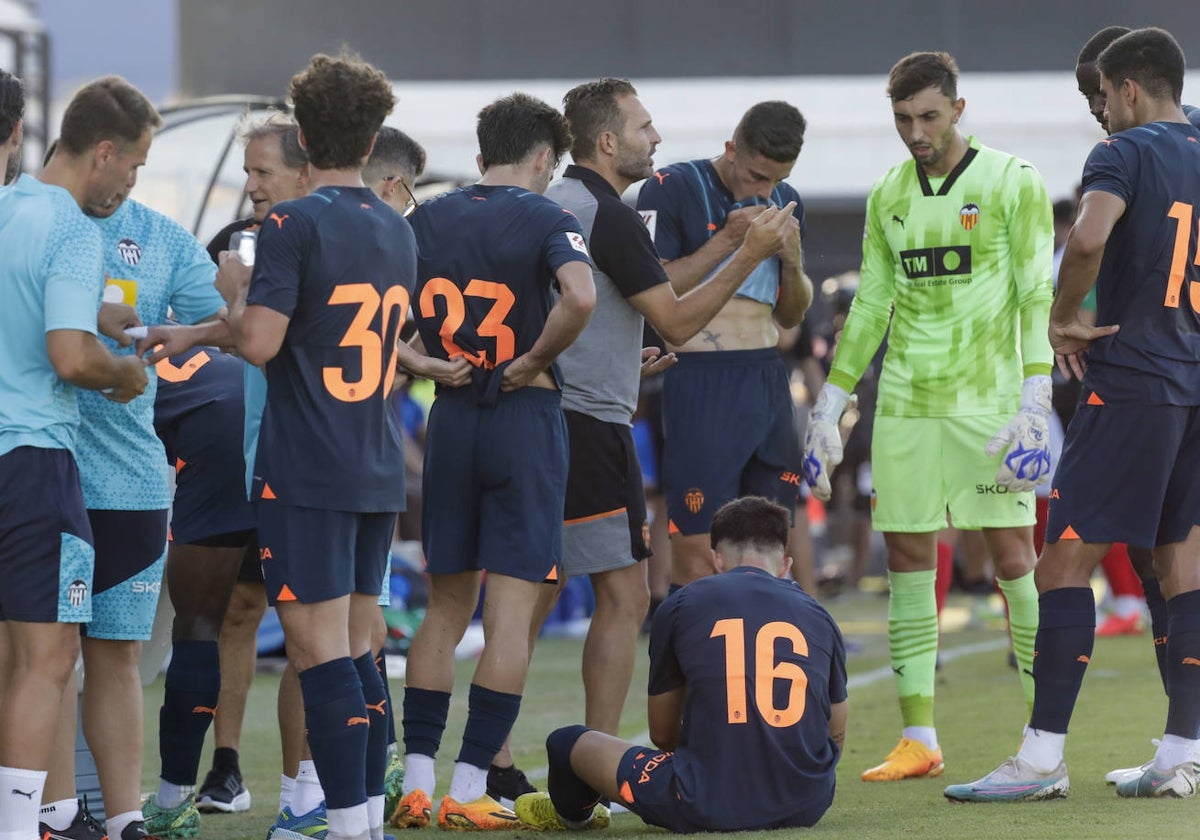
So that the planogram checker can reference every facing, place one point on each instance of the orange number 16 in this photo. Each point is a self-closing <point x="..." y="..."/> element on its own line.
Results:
<point x="1182" y="214"/>
<point x="766" y="671"/>
<point x="374" y="360"/>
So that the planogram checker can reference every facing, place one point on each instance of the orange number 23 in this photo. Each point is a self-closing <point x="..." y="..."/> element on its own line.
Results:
<point x="492" y="326"/>
<point x="766" y="671"/>
<point x="1182" y="214"/>
<point x="369" y="343"/>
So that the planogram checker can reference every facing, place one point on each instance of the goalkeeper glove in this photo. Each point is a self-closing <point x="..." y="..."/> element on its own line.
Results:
<point x="823" y="441"/>
<point x="1026" y="460"/>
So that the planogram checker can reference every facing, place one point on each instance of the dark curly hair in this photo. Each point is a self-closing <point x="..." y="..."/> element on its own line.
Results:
<point x="1151" y="57"/>
<point x="340" y="103"/>
<point x="512" y="128"/>
<point x="751" y="522"/>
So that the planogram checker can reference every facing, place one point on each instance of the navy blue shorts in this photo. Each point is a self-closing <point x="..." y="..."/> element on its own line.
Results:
<point x="205" y="447"/>
<point x="46" y="556"/>
<point x="730" y="430"/>
<point x="1128" y="473"/>
<point x="131" y="548"/>
<point x="494" y="484"/>
<point x="311" y="555"/>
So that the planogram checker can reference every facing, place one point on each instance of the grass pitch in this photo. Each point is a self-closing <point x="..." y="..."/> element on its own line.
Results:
<point x="980" y="712"/>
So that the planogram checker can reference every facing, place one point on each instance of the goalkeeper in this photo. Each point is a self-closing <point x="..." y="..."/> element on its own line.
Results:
<point x="957" y="253"/>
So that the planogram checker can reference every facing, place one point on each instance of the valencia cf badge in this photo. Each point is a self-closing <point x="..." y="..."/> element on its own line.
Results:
<point x="694" y="499"/>
<point x="130" y="251"/>
<point x="968" y="216"/>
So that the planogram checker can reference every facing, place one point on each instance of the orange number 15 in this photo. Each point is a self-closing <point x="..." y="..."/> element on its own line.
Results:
<point x="1182" y="214"/>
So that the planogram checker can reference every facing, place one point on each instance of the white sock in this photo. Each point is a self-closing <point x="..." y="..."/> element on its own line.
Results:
<point x="308" y="794"/>
<point x="172" y="796"/>
<point x="59" y="815"/>
<point x="116" y="825"/>
<point x="419" y="774"/>
<point x="287" y="789"/>
<point x="926" y="735"/>
<point x="348" y="822"/>
<point x="468" y="782"/>
<point x="1173" y="751"/>
<point x="1042" y="750"/>
<point x="20" y="799"/>
<point x="375" y="812"/>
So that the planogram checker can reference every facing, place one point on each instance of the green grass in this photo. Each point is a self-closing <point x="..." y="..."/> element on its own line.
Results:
<point x="980" y="711"/>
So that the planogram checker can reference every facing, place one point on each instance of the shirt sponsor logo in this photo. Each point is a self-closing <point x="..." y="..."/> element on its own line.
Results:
<point x="936" y="262"/>
<point x="130" y="251"/>
<point x="577" y="242"/>
<point x="146" y="587"/>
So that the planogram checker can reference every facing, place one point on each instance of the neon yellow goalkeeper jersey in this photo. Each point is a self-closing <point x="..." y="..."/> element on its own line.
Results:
<point x="962" y="265"/>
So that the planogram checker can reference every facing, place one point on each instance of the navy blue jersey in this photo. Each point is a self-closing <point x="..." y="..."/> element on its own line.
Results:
<point x="488" y="256"/>
<point x="1149" y="280"/>
<point x="685" y="204"/>
<point x="187" y="382"/>
<point x="762" y="663"/>
<point x="341" y="264"/>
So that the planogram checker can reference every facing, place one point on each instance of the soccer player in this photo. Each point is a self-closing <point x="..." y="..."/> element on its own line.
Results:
<point x="331" y="285"/>
<point x="396" y="163"/>
<point x="496" y="443"/>
<point x="1136" y="240"/>
<point x="52" y="273"/>
<point x="698" y="214"/>
<point x="613" y="142"/>
<point x="747" y="702"/>
<point x="957" y="253"/>
<point x="151" y="263"/>
<point x="1087" y="74"/>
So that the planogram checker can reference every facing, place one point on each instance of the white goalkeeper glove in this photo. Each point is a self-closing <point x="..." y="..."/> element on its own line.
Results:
<point x="1026" y="461"/>
<point x="823" y="441"/>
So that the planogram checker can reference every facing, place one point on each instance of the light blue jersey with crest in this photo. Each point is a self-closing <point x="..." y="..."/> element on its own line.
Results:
<point x="150" y="262"/>
<point x="50" y="279"/>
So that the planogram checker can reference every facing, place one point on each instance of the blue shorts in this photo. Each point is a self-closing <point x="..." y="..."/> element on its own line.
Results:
<point x="494" y="484"/>
<point x="730" y="430"/>
<point x="311" y="555"/>
<point x="46" y="552"/>
<point x="1128" y="473"/>
<point x="131" y="547"/>
<point x="210" y="506"/>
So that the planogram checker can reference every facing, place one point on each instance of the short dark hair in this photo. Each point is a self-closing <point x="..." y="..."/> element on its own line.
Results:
<point x="511" y="128"/>
<point x="1151" y="57"/>
<point x="393" y="148"/>
<point x="12" y="103"/>
<point x="592" y="109"/>
<point x="920" y="70"/>
<point x="1098" y="42"/>
<point x="340" y="103"/>
<point x="772" y="129"/>
<point x="751" y="522"/>
<point x="284" y="128"/>
<point x="107" y="109"/>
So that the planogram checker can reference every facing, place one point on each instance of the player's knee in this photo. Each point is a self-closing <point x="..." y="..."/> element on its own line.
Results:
<point x="560" y="742"/>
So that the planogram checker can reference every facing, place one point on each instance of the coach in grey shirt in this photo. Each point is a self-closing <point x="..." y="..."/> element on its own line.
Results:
<point x="605" y="534"/>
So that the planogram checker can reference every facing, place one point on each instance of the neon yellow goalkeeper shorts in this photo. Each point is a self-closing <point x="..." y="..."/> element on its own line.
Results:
<point x="922" y="467"/>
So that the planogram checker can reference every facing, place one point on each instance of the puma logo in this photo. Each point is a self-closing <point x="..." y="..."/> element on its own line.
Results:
<point x="662" y="176"/>
<point x="1085" y="659"/>
<point x="899" y="671"/>
<point x="23" y="793"/>
<point x="1190" y="660"/>
<point x="1023" y="503"/>
<point x="378" y="707"/>
<point x="358" y="721"/>
<point x="277" y="219"/>
<point x="896" y="218"/>
<point x="204" y="710"/>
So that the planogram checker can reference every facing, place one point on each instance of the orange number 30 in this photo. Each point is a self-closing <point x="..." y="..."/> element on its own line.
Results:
<point x="1182" y="214"/>
<point x="492" y="326"/>
<point x="370" y="344"/>
<point x="765" y="671"/>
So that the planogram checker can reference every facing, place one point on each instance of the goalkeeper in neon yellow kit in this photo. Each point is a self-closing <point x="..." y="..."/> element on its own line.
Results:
<point x="957" y="254"/>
